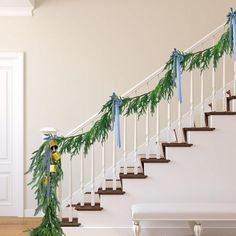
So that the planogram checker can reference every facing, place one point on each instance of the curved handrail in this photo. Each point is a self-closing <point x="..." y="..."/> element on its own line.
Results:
<point x="148" y="78"/>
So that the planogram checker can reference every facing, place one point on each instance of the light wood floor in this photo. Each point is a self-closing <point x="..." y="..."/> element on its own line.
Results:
<point x="14" y="226"/>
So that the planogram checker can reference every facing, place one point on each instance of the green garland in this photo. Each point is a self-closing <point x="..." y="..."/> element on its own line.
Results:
<point x="49" y="205"/>
<point x="50" y="225"/>
<point x="130" y="105"/>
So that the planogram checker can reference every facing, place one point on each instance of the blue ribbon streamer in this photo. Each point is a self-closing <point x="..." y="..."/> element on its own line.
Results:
<point x="47" y="159"/>
<point x="177" y="59"/>
<point x="47" y="162"/>
<point x="116" y="103"/>
<point x="232" y="30"/>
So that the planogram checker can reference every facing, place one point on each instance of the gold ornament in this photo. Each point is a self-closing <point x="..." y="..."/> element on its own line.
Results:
<point x="45" y="180"/>
<point x="52" y="168"/>
<point x="56" y="156"/>
<point x="53" y="143"/>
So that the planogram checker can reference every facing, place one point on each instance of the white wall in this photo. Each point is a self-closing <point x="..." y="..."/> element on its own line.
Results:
<point x="78" y="52"/>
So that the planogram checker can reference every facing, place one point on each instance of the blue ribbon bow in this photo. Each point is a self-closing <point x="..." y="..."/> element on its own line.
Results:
<point x="116" y="103"/>
<point x="177" y="59"/>
<point x="47" y="162"/>
<point x="232" y="30"/>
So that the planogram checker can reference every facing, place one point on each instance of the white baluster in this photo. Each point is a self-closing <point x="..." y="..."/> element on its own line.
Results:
<point x="125" y="145"/>
<point x="191" y="101"/>
<point x="147" y="133"/>
<point x="202" y="120"/>
<point x="147" y="127"/>
<point x="114" y="161"/>
<point x="92" y="177"/>
<point x="82" y="177"/>
<point x="103" y="167"/>
<point x="224" y="84"/>
<point x="158" y="140"/>
<point x="234" y="86"/>
<point x="213" y="86"/>
<point x="70" y="191"/>
<point x="169" y="121"/>
<point x="60" y="200"/>
<point x="191" y="120"/>
<point x="180" y="131"/>
<point x="135" y="146"/>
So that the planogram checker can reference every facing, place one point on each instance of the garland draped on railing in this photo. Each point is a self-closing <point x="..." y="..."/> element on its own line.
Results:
<point x="73" y="145"/>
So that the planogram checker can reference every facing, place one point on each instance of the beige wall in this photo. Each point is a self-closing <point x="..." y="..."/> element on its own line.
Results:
<point x="79" y="51"/>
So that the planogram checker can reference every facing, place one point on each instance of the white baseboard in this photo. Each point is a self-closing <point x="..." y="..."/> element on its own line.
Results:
<point x="30" y="213"/>
<point x="16" y="11"/>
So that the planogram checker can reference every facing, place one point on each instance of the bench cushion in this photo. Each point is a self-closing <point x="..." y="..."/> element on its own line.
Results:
<point x="183" y="211"/>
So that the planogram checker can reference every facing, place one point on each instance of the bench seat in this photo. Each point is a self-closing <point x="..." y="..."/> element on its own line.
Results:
<point x="182" y="212"/>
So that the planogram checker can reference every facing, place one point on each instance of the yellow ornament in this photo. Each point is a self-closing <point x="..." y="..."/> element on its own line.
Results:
<point x="53" y="143"/>
<point x="52" y="168"/>
<point x="45" y="180"/>
<point x="56" y="156"/>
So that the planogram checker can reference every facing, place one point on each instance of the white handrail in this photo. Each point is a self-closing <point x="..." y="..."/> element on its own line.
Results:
<point x="148" y="78"/>
<point x="201" y="41"/>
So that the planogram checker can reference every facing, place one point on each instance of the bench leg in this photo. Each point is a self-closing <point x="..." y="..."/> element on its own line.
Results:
<point x="197" y="230"/>
<point x="136" y="228"/>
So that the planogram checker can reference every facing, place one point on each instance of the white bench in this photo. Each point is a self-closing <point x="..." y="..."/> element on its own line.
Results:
<point x="189" y="212"/>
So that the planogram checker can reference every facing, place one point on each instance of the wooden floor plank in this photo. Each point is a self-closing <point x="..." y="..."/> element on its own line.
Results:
<point x="14" y="226"/>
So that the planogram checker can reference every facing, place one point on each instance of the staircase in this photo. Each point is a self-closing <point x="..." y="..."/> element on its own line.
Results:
<point x="168" y="157"/>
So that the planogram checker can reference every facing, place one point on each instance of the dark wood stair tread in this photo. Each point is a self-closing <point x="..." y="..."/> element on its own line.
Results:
<point x="88" y="207"/>
<point x="220" y="113"/>
<point x="154" y="160"/>
<point x="110" y="191"/>
<point x="198" y="129"/>
<point x="85" y="204"/>
<point x="175" y="144"/>
<point x="133" y="176"/>
<point x="231" y="98"/>
<point x="65" y="222"/>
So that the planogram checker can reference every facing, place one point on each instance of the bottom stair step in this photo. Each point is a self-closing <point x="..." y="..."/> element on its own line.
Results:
<point x="88" y="207"/>
<point x="65" y="222"/>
